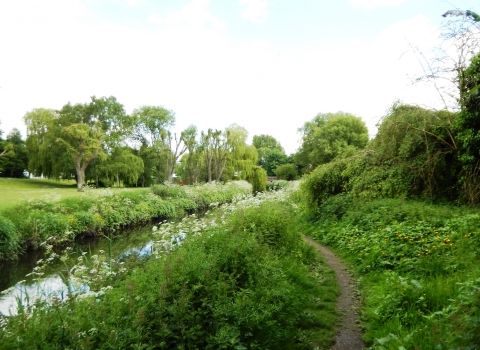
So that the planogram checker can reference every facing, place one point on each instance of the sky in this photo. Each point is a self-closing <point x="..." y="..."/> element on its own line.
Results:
<point x="266" y="65"/>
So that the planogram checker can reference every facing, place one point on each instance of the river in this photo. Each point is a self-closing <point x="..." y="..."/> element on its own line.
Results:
<point x="22" y="288"/>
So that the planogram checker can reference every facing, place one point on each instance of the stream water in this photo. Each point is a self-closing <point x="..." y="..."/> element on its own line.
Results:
<point x="14" y="273"/>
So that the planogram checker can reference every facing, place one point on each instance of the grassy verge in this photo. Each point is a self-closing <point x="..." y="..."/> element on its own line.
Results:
<point x="30" y="223"/>
<point x="418" y="267"/>
<point x="240" y="278"/>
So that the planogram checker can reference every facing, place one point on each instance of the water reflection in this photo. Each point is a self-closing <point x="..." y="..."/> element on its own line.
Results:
<point x="27" y="293"/>
<point x="19" y="289"/>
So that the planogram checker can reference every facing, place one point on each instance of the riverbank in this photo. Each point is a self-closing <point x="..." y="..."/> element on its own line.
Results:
<point x="26" y="226"/>
<point x="240" y="278"/>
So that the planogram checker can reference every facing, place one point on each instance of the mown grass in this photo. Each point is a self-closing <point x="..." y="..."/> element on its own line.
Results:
<point x="418" y="267"/>
<point x="15" y="191"/>
<point x="240" y="279"/>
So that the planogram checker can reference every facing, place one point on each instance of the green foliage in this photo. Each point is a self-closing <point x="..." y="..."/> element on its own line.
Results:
<point x="258" y="178"/>
<point x="418" y="264"/>
<point x="412" y="155"/>
<point x="286" y="172"/>
<point x="8" y="239"/>
<point x="266" y="142"/>
<point x="277" y="185"/>
<point x="331" y="135"/>
<point x="65" y="142"/>
<point x="468" y="130"/>
<point x="61" y="221"/>
<point x="249" y="282"/>
<point x="270" y="153"/>
<point x="167" y="191"/>
<point x="270" y="160"/>
<point x="420" y="145"/>
<point x="14" y="162"/>
<point x="327" y="180"/>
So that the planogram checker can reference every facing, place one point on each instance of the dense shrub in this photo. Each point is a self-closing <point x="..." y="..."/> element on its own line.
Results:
<point x="286" y="172"/>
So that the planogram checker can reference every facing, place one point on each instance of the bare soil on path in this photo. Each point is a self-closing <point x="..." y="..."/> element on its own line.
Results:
<point x="349" y="336"/>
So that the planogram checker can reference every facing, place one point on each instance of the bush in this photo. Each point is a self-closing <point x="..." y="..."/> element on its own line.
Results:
<point x="286" y="172"/>
<point x="277" y="185"/>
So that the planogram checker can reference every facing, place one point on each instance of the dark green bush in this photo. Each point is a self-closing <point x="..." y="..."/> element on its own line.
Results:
<point x="286" y="172"/>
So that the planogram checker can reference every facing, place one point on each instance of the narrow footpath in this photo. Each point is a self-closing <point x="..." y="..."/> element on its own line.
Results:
<point x="349" y="336"/>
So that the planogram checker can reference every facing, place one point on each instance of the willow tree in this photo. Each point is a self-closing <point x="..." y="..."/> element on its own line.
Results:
<point x="123" y="165"/>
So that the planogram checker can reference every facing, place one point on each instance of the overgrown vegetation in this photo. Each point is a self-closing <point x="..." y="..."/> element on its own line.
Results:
<point x="396" y="211"/>
<point x="240" y="278"/>
<point x="417" y="265"/>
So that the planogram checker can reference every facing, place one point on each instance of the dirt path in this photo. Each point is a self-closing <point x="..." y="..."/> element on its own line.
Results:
<point x="348" y="331"/>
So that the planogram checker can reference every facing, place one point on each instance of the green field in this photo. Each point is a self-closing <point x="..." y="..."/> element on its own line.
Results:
<point x="15" y="191"/>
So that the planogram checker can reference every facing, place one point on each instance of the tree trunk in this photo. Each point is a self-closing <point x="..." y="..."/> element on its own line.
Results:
<point x="80" y="179"/>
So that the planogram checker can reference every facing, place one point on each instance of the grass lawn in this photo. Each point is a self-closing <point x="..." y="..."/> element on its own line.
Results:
<point x="14" y="191"/>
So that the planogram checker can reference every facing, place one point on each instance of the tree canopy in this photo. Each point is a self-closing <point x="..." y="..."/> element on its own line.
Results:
<point x="68" y="140"/>
<point x="330" y="135"/>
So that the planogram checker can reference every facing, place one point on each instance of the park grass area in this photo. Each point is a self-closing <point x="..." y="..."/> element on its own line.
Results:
<point x="16" y="191"/>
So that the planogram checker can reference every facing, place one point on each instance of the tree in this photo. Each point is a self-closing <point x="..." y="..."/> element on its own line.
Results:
<point x="460" y="34"/>
<point x="241" y="158"/>
<point x="266" y="141"/>
<point x="330" y="135"/>
<point x="271" y="159"/>
<point x="286" y="172"/>
<point x="15" y="162"/>
<point x="73" y="136"/>
<point x="215" y="149"/>
<point x="124" y="165"/>
<point x="45" y="157"/>
<point x="152" y="125"/>
<point x="270" y="153"/>
<point x="5" y="147"/>
<point x="192" y="158"/>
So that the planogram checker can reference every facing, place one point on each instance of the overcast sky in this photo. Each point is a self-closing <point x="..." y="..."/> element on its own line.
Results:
<point x="267" y="65"/>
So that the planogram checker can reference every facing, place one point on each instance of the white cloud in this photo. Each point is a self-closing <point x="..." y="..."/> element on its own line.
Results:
<point x="187" y="63"/>
<point x="132" y="3"/>
<point x="368" y="4"/>
<point x="194" y="14"/>
<point x="255" y="10"/>
<point x="34" y="14"/>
